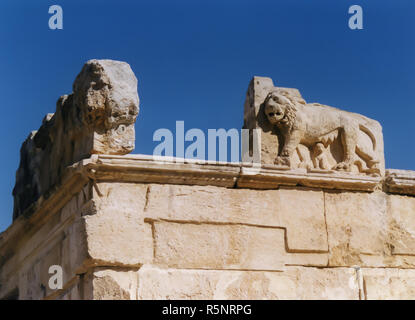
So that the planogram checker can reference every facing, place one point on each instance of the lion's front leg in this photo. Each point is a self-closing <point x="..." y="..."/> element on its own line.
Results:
<point x="283" y="159"/>
<point x="291" y="143"/>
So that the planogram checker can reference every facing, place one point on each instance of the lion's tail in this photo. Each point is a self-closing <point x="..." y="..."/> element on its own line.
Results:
<point x="370" y="134"/>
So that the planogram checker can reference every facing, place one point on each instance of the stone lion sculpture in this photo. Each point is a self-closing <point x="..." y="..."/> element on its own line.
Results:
<point x="316" y="127"/>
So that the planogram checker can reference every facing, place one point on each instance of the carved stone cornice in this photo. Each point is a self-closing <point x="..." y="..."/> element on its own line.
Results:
<point x="269" y="177"/>
<point x="168" y="170"/>
<point x="400" y="181"/>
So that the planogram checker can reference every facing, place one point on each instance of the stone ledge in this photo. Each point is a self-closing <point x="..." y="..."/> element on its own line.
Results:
<point x="271" y="177"/>
<point x="400" y="181"/>
<point x="145" y="169"/>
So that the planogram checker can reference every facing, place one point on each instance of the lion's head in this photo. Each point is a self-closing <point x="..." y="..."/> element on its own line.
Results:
<point x="279" y="109"/>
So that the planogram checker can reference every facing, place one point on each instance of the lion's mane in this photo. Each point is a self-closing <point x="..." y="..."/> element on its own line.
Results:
<point x="290" y="111"/>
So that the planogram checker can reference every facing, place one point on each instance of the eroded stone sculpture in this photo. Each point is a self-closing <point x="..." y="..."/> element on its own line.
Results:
<point x="297" y="134"/>
<point x="97" y="118"/>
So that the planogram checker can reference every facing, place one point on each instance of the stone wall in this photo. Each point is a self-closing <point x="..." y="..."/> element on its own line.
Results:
<point x="135" y="229"/>
<point x="308" y="221"/>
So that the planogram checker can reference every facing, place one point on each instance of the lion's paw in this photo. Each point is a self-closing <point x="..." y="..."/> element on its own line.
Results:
<point x="343" y="166"/>
<point x="282" y="161"/>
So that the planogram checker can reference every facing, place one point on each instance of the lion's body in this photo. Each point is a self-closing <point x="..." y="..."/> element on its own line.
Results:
<point x="322" y="124"/>
<point x="315" y="125"/>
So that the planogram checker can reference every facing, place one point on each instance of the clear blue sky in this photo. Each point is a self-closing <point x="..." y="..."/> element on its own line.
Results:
<point x="194" y="60"/>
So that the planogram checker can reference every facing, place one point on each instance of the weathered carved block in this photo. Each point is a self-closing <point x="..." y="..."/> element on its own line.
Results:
<point x="296" y="134"/>
<point x="97" y="118"/>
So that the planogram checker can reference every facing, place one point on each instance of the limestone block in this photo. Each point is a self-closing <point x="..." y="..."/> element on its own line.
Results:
<point x="292" y="283"/>
<point x="39" y="236"/>
<point x="297" y="134"/>
<point x="389" y="284"/>
<point x="303" y="220"/>
<point x="30" y="284"/>
<point x="302" y="213"/>
<point x="71" y="210"/>
<point x="117" y="234"/>
<point x="52" y="256"/>
<point x="98" y="117"/>
<point x="34" y="275"/>
<point x="212" y="246"/>
<point x="8" y="262"/>
<point x="75" y="256"/>
<point x="75" y="207"/>
<point x="119" y="240"/>
<point x="402" y="224"/>
<point x="309" y="259"/>
<point x="357" y="224"/>
<point x="74" y="292"/>
<point x="114" y="284"/>
<point x="9" y="281"/>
